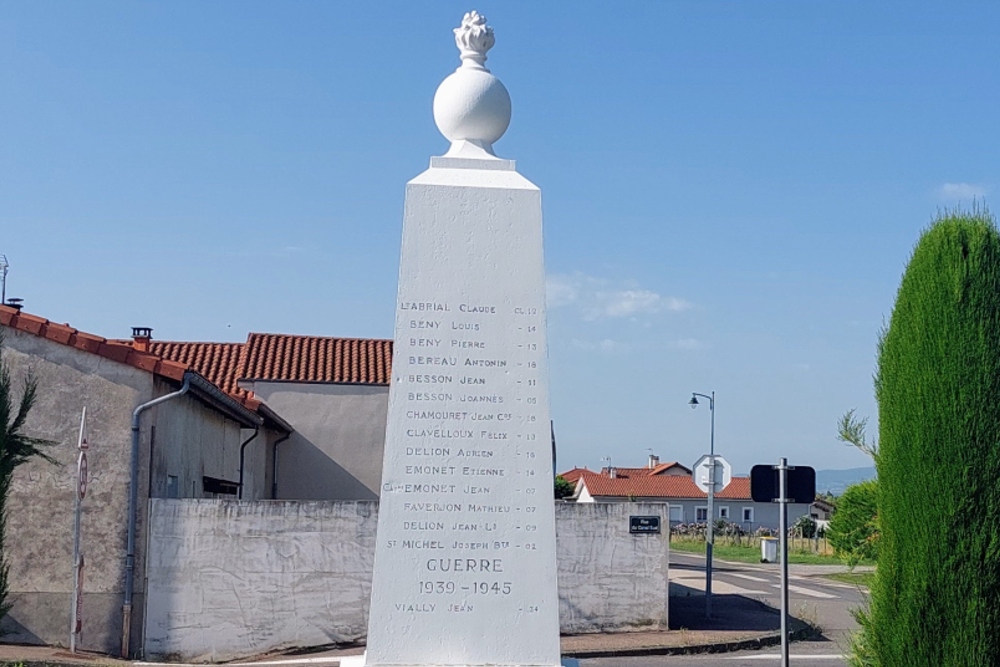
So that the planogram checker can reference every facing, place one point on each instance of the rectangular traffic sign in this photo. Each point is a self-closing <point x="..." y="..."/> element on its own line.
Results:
<point x="800" y="485"/>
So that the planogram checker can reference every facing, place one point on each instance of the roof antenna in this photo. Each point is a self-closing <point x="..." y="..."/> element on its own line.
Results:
<point x="611" y="470"/>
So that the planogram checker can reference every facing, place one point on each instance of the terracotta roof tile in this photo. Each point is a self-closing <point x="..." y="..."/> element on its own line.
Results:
<point x="576" y="473"/>
<point x="109" y="349"/>
<point x="663" y="467"/>
<point x="86" y="342"/>
<point x="219" y="363"/>
<point x="660" y="486"/>
<point x="647" y="471"/>
<point x="739" y="488"/>
<point x="285" y="358"/>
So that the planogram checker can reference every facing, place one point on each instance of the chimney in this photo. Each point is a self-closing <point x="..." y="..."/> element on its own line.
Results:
<point x="654" y="461"/>
<point x="612" y="473"/>
<point x="15" y="303"/>
<point x="140" y="338"/>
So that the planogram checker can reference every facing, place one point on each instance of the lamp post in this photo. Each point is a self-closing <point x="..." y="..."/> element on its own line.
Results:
<point x="710" y="528"/>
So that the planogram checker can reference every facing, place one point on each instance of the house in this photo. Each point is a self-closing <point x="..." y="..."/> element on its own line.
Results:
<point x="194" y="439"/>
<point x="333" y="391"/>
<point x="672" y="483"/>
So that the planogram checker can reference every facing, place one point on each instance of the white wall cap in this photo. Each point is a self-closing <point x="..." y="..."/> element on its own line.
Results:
<point x="476" y="178"/>
<point x="495" y="164"/>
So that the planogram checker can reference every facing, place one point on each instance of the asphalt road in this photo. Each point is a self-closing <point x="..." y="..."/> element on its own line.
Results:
<point x="804" y="654"/>
<point x="812" y="598"/>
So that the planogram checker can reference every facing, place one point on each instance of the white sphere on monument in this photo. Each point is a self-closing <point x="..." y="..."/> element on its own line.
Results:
<point x="471" y="106"/>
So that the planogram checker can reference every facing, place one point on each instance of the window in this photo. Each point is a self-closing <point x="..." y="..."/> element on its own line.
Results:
<point x="747" y="515"/>
<point x="676" y="514"/>
<point x="213" y="487"/>
<point x="172" y="486"/>
<point x="701" y="514"/>
<point x="724" y="512"/>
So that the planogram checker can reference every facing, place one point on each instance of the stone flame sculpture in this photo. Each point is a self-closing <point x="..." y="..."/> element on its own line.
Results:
<point x="471" y="106"/>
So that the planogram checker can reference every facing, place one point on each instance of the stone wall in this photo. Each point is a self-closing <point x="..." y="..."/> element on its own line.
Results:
<point x="234" y="579"/>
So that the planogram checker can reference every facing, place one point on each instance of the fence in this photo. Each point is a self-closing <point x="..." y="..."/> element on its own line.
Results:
<point x="733" y="534"/>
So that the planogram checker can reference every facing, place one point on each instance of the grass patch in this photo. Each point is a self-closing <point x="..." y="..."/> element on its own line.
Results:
<point x="751" y="554"/>
<point x="857" y="578"/>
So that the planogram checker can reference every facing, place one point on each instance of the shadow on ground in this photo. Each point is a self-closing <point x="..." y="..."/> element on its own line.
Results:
<point x="729" y="612"/>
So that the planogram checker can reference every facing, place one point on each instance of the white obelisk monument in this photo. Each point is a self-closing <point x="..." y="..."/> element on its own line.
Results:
<point x="465" y="562"/>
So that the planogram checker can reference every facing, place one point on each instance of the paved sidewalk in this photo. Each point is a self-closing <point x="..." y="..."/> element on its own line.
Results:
<point x="738" y="623"/>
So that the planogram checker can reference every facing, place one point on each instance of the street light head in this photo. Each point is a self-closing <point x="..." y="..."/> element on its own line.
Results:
<point x="693" y="402"/>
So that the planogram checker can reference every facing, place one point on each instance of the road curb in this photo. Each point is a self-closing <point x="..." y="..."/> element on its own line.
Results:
<point x="799" y="634"/>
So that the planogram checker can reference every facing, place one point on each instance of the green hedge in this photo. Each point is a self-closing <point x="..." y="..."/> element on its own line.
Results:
<point x="936" y="597"/>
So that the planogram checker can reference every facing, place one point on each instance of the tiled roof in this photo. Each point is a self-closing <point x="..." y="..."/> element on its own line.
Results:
<point x="660" y="486"/>
<point x="219" y="363"/>
<point x="663" y="467"/>
<point x="109" y="349"/>
<point x="280" y="357"/>
<point x="738" y="489"/>
<point x="576" y="473"/>
<point x="647" y="471"/>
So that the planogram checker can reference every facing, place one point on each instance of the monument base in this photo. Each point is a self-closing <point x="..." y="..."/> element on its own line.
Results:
<point x="359" y="661"/>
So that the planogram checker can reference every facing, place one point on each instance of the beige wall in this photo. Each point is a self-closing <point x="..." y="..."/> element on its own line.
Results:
<point x="40" y="506"/>
<point x="190" y="437"/>
<point x="336" y="450"/>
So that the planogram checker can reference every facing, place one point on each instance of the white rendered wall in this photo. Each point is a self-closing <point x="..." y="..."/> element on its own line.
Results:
<point x="465" y="566"/>
<point x="230" y="580"/>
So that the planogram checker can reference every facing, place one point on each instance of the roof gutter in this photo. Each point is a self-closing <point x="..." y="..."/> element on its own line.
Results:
<point x="243" y="448"/>
<point x="223" y="401"/>
<point x="133" y="501"/>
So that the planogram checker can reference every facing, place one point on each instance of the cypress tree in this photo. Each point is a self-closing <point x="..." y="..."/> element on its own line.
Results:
<point x="935" y="601"/>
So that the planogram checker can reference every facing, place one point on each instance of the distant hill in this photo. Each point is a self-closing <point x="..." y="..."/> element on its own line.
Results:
<point x="835" y="481"/>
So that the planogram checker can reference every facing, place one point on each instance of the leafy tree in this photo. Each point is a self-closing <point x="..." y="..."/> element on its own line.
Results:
<point x="935" y="600"/>
<point x="16" y="448"/>
<point x="564" y="488"/>
<point x="853" y="531"/>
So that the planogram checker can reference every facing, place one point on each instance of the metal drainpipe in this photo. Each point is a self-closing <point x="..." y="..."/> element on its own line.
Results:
<point x="274" y="466"/>
<point x="256" y="430"/>
<point x="133" y="502"/>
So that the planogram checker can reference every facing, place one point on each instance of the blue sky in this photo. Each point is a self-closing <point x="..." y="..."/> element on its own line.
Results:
<point x="731" y="189"/>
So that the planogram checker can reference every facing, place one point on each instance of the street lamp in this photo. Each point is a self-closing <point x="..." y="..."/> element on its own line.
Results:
<point x="710" y="528"/>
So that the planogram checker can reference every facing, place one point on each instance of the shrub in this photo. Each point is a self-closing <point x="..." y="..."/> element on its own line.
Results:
<point x="935" y="600"/>
<point x="563" y="487"/>
<point x="805" y="526"/>
<point x="853" y="532"/>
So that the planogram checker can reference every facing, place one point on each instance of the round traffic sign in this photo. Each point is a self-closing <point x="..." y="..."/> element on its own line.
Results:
<point x="81" y="475"/>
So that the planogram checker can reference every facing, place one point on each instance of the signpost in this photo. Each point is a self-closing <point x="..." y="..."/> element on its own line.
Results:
<point x="702" y="473"/>
<point x="76" y="622"/>
<point x="783" y="484"/>
<point x="711" y="474"/>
